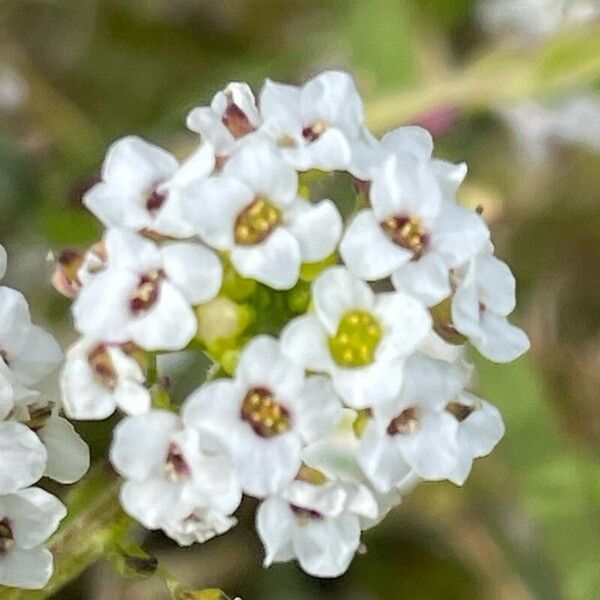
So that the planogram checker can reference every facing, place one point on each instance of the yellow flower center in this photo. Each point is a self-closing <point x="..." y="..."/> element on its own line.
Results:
<point x="356" y="339"/>
<point x="264" y="414"/>
<point x="407" y="232"/>
<point x="256" y="222"/>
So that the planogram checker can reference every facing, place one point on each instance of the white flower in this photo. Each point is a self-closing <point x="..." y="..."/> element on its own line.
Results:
<point x="319" y="524"/>
<point x="480" y="428"/>
<point x="30" y="352"/>
<point x="99" y="377"/>
<point x="232" y="114"/>
<point x="140" y="187"/>
<point x="484" y="297"/>
<point x="22" y="457"/>
<point x="146" y="292"/>
<point x="27" y="519"/>
<point x="360" y="338"/>
<point x="253" y="211"/>
<point x="263" y="416"/>
<point x="168" y="474"/>
<point x="414" y="432"/>
<point x="411" y="232"/>
<point x="316" y="124"/>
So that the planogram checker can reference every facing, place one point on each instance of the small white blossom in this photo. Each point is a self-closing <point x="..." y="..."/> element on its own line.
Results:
<point x="140" y="187"/>
<point x="22" y="457"/>
<point x="98" y="377"/>
<point x="168" y="474"/>
<point x="27" y="519"/>
<point x="412" y="232"/>
<point x="319" y="524"/>
<point x="146" y="292"/>
<point x="480" y="428"/>
<point x="414" y="432"/>
<point x="315" y="124"/>
<point x="358" y="337"/>
<point x="232" y="114"/>
<point x="263" y="416"/>
<point x="484" y="297"/>
<point x="252" y="210"/>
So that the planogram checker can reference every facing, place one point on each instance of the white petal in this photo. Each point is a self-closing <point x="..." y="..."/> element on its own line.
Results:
<point x="405" y="321"/>
<point x="194" y="270"/>
<point x="214" y="410"/>
<point x="214" y="206"/>
<point x="364" y="387"/>
<point x="380" y="458"/>
<point x="170" y="324"/>
<point x="325" y="548"/>
<point x="367" y="251"/>
<point x="317" y="227"/>
<point x="133" y="163"/>
<point x="304" y="341"/>
<point x="449" y="176"/>
<point x="132" y="398"/>
<point x="128" y="250"/>
<point x="335" y="292"/>
<point x="68" y="454"/>
<point x="274" y="262"/>
<point x="154" y="502"/>
<point x="426" y="278"/>
<point x="34" y="515"/>
<point x="140" y="444"/>
<point x="280" y="108"/>
<point x="208" y="124"/>
<point x="22" y="457"/>
<point x="330" y="152"/>
<point x="413" y="139"/>
<point x="495" y="284"/>
<point x="3" y="260"/>
<point x="500" y="341"/>
<point x="432" y="450"/>
<point x="261" y="167"/>
<point x="274" y="525"/>
<point x="459" y="234"/>
<point x="27" y="569"/>
<point x="318" y="408"/>
<point x="333" y="98"/>
<point x="15" y="320"/>
<point x="482" y="429"/>
<point x="263" y="364"/>
<point x="41" y="355"/>
<point x="265" y="466"/>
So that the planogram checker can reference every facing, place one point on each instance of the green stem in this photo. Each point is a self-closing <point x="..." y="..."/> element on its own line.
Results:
<point x="95" y="518"/>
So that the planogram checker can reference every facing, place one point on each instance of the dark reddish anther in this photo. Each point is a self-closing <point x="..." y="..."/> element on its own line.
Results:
<point x="406" y="422"/>
<point x="236" y="121"/>
<point x="154" y="201"/>
<point x="305" y="514"/>
<point x="102" y="367"/>
<point x="146" y="293"/>
<point x="460" y="411"/>
<point x="6" y="536"/>
<point x="175" y="462"/>
<point x="408" y="233"/>
<point x="310" y="134"/>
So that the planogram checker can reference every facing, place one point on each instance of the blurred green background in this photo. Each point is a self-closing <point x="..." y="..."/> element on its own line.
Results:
<point x="75" y="75"/>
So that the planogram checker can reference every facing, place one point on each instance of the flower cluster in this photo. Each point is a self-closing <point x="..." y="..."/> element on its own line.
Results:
<point x="337" y="333"/>
<point x="35" y="441"/>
